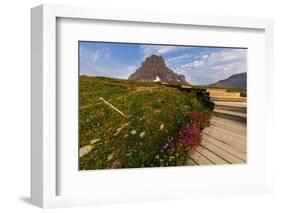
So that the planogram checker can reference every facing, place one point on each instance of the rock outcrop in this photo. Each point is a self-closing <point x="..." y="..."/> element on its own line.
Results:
<point x="155" y="69"/>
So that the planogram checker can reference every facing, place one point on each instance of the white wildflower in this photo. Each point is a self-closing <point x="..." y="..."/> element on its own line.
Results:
<point x="94" y="141"/>
<point x="133" y="132"/>
<point x="142" y="134"/>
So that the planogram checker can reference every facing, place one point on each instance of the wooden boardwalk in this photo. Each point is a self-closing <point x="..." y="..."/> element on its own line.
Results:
<point x="223" y="142"/>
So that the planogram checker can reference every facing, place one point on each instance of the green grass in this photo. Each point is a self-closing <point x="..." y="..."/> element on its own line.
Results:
<point x="148" y="105"/>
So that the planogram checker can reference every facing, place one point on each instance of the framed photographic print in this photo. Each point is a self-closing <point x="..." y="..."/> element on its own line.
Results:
<point x="148" y="115"/>
<point x="130" y="106"/>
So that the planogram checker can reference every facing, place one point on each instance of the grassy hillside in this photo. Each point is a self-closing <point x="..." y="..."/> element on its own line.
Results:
<point x="156" y="113"/>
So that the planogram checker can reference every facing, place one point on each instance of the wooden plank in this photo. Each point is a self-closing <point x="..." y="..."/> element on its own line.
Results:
<point x="220" y="136"/>
<point x="200" y="159"/>
<point x="211" y="156"/>
<point x="239" y="146"/>
<point x="227" y="132"/>
<point x="113" y="107"/>
<point x="231" y="104"/>
<point x="223" y="153"/>
<point x="232" y="149"/>
<point x="241" y="131"/>
<point x="225" y="99"/>
<point x="191" y="162"/>
<point x="229" y="123"/>
<point x="223" y="142"/>
<point x="232" y="108"/>
<point x="221" y="119"/>
<point x="231" y="113"/>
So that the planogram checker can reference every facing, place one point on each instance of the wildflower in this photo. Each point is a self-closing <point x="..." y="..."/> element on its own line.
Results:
<point x="143" y="117"/>
<point x="94" y="141"/>
<point x="190" y="133"/>
<point x="133" y="132"/>
<point x="142" y="134"/>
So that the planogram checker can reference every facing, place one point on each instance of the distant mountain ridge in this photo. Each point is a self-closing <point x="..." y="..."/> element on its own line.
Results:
<point x="155" y="69"/>
<point x="234" y="81"/>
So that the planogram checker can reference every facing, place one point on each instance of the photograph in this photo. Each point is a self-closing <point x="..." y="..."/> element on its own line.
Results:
<point x="160" y="105"/>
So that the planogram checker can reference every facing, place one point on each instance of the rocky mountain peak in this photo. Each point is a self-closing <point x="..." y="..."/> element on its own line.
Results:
<point x="155" y="69"/>
<point x="154" y="61"/>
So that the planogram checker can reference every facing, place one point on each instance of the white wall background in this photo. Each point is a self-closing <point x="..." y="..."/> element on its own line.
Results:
<point x="15" y="104"/>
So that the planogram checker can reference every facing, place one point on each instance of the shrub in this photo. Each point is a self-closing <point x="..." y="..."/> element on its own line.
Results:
<point x="179" y="149"/>
<point x="200" y="119"/>
<point x="190" y="134"/>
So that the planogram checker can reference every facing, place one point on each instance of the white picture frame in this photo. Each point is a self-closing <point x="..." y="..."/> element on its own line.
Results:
<point x="44" y="155"/>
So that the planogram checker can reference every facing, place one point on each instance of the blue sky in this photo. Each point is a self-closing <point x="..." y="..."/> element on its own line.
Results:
<point x="200" y="65"/>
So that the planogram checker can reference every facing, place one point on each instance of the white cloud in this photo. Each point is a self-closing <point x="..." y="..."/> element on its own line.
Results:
<point x="200" y="66"/>
<point x="178" y="60"/>
<point x="130" y="70"/>
<point x="147" y="50"/>
<point x="215" y="66"/>
<point x="165" y="49"/>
